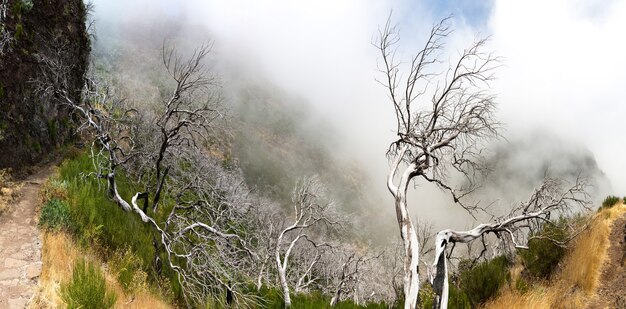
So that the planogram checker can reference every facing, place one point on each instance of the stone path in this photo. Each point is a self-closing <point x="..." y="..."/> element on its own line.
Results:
<point x="20" y="246"/>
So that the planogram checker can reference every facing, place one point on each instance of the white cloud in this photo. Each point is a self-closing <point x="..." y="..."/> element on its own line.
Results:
<point x="564" y="68"/>
<point x="565" y="71"/>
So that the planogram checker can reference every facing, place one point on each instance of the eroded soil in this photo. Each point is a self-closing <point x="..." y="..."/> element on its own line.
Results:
<point x="612" y="290"/>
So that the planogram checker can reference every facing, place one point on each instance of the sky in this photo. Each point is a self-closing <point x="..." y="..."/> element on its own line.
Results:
<point x="563" y="70"/>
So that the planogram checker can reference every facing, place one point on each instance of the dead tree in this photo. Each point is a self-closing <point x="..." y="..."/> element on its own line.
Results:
<point x="202" y="234"/>
<point x="441" y="121"/>
<point x="526" y="219"/>
<point x="347" y="277"/>
<point x="310" y="211"/>
<point x="308" y="259"/>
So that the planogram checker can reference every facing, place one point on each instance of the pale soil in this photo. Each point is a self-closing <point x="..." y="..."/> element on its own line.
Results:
<point x="20" y="245"/>
<point x="612" y="290"/>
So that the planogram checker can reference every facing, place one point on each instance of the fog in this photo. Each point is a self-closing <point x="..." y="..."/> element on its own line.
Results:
<point x="562" y="75"/>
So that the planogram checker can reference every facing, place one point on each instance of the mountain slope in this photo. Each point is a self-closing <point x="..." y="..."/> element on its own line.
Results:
<point x="581" y="280"/>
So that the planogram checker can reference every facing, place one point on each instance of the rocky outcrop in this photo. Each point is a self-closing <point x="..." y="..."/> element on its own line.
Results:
<point x="31" y="121"/>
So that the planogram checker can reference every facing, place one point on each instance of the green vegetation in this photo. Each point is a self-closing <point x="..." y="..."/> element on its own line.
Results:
<point x="273" y="299"/>
<point x="543" y="254"/>
<point x="482" y="281"/>
<point x="87" y="288"/>
<point x="458" y="298"/>
<point x="610" y="201"/>
<point x="19" y="30"/>
<point x="130" y="274"/>
<point x="103" y="225"/>
<point x="53" y="131"/>
<point x="55" y="215"/>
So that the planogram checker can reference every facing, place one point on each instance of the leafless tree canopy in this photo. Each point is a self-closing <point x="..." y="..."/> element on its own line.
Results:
<point x="311" y="211"/>
<point x="442" y="121"/>
<point x="202" y="231"/>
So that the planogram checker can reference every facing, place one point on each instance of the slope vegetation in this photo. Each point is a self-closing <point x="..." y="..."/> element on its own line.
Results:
<point x="585" y="278"/>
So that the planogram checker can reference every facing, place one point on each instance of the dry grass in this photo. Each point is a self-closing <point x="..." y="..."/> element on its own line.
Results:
<point x="578" y="279"/>
<point x="8" y="189"/>
<point x="58" y="255"/>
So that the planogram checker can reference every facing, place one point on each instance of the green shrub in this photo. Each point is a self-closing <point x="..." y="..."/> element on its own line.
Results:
<point x="543" y="255"/>
<point x="458" y="298"/>
<point x="610" y="201"/>
<point x="426" y="296"/>
<point x="55" y="215"/>
<point x="87" y="288"/>
<point x="482" y="281"/>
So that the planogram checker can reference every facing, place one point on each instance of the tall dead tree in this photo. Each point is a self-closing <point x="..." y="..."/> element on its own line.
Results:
<point x="527" y="218"/>
<point x="441" y="122"/>
<point x="310" y="211"/>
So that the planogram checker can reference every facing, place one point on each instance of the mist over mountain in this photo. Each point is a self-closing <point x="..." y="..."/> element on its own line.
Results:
<point x="518" y="165"/>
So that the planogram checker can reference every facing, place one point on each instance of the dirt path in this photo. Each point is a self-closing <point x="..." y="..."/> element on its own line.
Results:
<point x="612" y="290"/>
<point x="20" y="245"/>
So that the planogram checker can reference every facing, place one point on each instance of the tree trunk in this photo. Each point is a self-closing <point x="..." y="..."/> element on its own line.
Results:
<point x="407" y="232"/>
<point x="335" y="299"/>
<point x="411" y="265"/>
<point x="282" y="275"/>
<point x="440" y="282"/>
<point x="284" y="286"/>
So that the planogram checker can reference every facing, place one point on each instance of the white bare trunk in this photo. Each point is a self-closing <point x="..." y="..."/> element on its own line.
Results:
<point x="407" y="230"/>
<point x="284" y="286"/>
<point x="259" y="280"/>
<point x="411" y="265"/>
<point x="281" y="266"/>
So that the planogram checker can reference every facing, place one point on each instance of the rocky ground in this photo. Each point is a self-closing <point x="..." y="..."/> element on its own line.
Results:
<point x="20" y="245"/>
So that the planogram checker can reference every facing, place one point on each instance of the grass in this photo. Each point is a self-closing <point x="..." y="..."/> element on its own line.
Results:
<point x="96" y="228"/>
<point x="87" y="288"/>
<point x="100" y="223"/>
<point x="273" y="299"/>
<point x="55" y="215"/>
<point x="8" y="190"/>
<point x="577" y="280"/>
<point x="59" y="254"/>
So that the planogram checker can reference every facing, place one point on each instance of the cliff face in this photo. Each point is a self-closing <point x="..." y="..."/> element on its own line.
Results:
<point x="34" y="34"/>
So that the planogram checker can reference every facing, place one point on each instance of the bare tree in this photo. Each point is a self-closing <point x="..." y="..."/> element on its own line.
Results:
<point x="311" y="211"/>
<point x="437" y="136"/>
<point x="202" y="232"/>
<point x="348" y="276"/>
<point x="525" y="219"/>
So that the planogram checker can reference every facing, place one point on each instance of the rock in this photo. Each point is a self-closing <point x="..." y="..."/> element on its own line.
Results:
<point x="12" y="282"/>
<point x="18" y="303"/>
<point x="33" y="271"/>
<point x="14" y="263"/>
<point x="9" y="274"/>
<point x="19" y="255"/>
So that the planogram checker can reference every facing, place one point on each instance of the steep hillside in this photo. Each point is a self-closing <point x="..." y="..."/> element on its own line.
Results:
<point x="37" y="36"/>
<point x="584" y="278"/>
